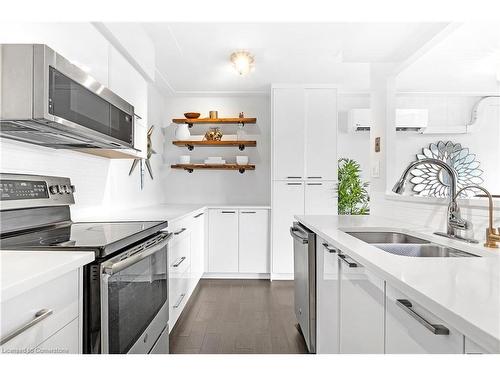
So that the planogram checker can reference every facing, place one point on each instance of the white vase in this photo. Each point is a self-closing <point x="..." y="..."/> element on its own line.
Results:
<point x="182" y="132"/>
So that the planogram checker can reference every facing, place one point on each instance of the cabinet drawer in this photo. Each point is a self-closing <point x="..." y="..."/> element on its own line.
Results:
<point x="178" y="296"/>
<point x="64" y="341"/>
<point x="412" y="329"/>
<point x="179" y="252"/>
<point x="58" y="297"/>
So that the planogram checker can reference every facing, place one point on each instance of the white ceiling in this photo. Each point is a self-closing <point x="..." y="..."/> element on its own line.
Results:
<point x="194" y="57"/>
<point x="468" y="60"/>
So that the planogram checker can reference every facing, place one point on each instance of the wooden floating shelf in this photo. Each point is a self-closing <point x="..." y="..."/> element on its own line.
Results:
<point x="191" y="144"/>
<point x="204" y="121"/>
<point x="234" y="167"/>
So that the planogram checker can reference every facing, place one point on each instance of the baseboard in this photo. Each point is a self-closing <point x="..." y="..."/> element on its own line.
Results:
<point x="281" y="276"/>
<point x="236" y="275"/>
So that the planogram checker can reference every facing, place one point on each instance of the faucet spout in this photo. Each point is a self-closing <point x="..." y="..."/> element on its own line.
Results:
<point x="400" y="185"/>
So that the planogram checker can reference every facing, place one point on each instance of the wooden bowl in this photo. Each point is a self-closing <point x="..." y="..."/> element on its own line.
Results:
<point x="191" y="115"/>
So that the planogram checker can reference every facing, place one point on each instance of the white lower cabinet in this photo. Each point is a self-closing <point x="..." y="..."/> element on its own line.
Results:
<point x="223" y="240"/>
<point x="320" y="198"/>
<point x="412" y="329"/>
<point x="288" y="200"/>
<point x="46" y="318"/>
<point x="327" y="295"/>
<point x="197" y="226"/>
<point x="361" y="308"/>
<point x="179" y="260"/>
<point x="253" y="241"/>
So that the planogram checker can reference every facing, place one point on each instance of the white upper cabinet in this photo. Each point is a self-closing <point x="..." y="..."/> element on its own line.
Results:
<point x="288" y="133"/>
<point x="288" y="200"/>
<point x="80" y="43"/>
<point x="361" y="309"/>
<point x="254" y="241"/>
<point x="223" y="240"/>
<point x="320" y="198"/>
<point x="304" y="132"/>
<point x="321" y="134"/>
<point x="412" y="329"/>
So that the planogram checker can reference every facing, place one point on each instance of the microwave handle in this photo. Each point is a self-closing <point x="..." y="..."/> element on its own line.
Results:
<point x="111" y="267"/>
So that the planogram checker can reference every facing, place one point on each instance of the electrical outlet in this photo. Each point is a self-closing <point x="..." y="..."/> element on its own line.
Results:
<point x="376" y="169"/>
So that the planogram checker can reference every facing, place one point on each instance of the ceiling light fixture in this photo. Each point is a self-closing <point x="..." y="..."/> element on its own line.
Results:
<point x="243" y="62"/>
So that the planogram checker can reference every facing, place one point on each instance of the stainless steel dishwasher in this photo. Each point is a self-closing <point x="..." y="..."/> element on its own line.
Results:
<point x="304" y="260"/>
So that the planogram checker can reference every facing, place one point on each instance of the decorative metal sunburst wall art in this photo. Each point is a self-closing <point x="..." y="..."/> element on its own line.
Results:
<point x="432" y="181"/>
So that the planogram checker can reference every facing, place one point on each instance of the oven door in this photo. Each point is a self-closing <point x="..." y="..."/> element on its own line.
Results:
<point x="134" y="297"/>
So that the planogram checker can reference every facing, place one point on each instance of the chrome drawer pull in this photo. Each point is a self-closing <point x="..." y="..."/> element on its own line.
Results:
<point x="298" y="177"/>
<point x="314" y="184"/>
<point x="350" y="264"/>
<point x="179" y="262"/>
<point x="294" y="183"/>
<point x="197" y="216"/>
<point x="329" y="248"/>
<point x="314" y="177"/>
<point x="39" y="316"/>
<point x="228" y="212"/>
<point x="437" y="329"/>
<point x="248" y="212"/>
<point x="178" y="303"/>
<point x="179" y="232"/>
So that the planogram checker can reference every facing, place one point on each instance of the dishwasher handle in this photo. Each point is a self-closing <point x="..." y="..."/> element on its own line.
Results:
<point x="293" y="232"/>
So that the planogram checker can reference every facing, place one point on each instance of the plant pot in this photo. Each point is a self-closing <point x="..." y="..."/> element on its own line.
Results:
<point x="182" y="132"/>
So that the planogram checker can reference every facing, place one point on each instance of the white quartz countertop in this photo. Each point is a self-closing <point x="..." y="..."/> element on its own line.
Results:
<point x="24" y="270"/>
<point x="161" y="212"/>
<point x="464" y="292"/>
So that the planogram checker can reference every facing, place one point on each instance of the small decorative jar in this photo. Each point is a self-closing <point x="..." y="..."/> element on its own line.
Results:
<point x="182" y="132"/>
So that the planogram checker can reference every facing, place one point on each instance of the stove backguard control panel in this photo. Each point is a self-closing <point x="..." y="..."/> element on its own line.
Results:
<point x="26" y="191"/>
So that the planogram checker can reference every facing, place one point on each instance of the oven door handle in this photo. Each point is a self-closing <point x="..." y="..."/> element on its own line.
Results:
<point x="111" y="267"/>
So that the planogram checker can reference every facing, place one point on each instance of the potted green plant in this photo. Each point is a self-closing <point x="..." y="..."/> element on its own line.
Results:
<point x="352" y="193"/>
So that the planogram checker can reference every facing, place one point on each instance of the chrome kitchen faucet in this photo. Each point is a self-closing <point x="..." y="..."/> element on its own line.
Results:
<point x="455" y="221"/>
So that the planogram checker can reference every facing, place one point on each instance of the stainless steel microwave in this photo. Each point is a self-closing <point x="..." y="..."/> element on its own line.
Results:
<point x="46" y="100"/>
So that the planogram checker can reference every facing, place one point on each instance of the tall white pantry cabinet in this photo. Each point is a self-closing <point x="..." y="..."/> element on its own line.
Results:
<point x="304" y="163"/>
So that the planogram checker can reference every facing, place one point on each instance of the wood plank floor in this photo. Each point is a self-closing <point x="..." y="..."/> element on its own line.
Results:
<point x="239" y="316"/>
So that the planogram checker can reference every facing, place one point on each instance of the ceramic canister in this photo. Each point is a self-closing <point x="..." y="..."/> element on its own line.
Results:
<point x="182" y="132"/>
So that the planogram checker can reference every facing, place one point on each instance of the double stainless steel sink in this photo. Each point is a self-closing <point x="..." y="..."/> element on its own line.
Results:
<point x="407" y="245"/>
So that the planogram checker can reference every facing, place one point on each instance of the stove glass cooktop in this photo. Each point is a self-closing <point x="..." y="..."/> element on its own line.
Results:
<point x="103" y="238"/>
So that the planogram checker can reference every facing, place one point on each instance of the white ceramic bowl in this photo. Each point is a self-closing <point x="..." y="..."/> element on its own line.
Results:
<point x="185" y="159"/>
<point x="242" y="160"/>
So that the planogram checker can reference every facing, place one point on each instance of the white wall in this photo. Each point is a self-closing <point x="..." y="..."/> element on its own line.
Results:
<point x="219" y="186"/>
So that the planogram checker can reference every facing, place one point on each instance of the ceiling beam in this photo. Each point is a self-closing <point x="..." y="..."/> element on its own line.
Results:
<point x="438" y="38"/>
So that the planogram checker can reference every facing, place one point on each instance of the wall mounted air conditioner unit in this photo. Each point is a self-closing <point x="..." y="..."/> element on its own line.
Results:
<point x="359" y="120"/>
<point x="412" y="120"/>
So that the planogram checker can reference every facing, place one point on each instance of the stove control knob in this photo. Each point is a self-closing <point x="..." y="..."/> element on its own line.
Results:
<point x="61" y="189"/>
<point x="54" y="189"/>
<point x="66" y="189"/>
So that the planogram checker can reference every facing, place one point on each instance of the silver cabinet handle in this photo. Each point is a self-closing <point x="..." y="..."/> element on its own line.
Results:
<point x="296" y="236"/>
<point x="329" y="248"/>
<point x="228" y="212"/>
<point x="294" y="183"/>
<point x="314" y="184"/>
<point x="294" y="177"/>
<point x="177" y="264"/>
<point x="39" y="316"/>
<point x="248" y="212"/>
<point x="314" y="177"/>
<point x="437" y="329"/>
<point x="179" y="232"/>
<point x="346" y="260"/>
<point x="178" y="303"/>
<point x="197" y="216"/>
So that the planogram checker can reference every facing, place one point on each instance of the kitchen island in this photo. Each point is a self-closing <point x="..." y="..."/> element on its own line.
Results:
<point x="461" y="293"/>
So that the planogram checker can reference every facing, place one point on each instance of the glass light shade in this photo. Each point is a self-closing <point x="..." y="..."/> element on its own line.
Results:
<point x="243" y="62"/>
